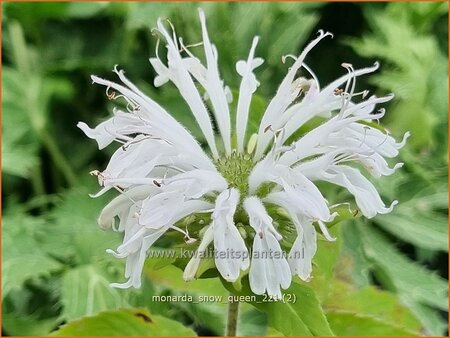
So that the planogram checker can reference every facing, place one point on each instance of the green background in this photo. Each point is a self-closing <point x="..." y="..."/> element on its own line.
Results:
<point x="387" y="276"/>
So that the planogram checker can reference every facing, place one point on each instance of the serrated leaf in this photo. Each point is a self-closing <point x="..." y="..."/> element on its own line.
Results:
<point x="416" y="221"/>
<point x="73" y="230"/>
<point x="85" y="292"/>
<point x="22" y="255"/>
<point x="125" y="322"/>
<point x="426" y="230"/>
<point x="407" y="277"/>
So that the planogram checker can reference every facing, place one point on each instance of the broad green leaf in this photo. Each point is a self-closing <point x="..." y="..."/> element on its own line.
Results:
<point x="370" y="302"/>
<point x="427" y="230"/>
<point x="416" y="221"/>
<point x="406" y="276"/>
<point x="22" y="255"/>
<point x="353" y="262"/>
<point x="305" y="309"/>
<point x="298" y="313"/>
<point x="210" y="300"/>
<point x="210" y="312"/>
<point x="433" y="321"/>
<point x="85" y="292"/>
<point x="350" y="324"/>
<point x="324" y="262"/>
<point x="125" y="322"/>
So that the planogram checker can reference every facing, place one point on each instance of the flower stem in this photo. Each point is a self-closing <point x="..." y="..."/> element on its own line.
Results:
<point x="58" y="158"/>
<point x="233" y="314"/>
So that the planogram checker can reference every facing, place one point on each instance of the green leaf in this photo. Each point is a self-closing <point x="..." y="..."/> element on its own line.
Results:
<point x="73" y="228"/>
<point x="370" y="302"/>
<point x="27" y="325"/>
<point x="350" y="324"/>
<point x="434" y="323"/>
<point x="416" y="222"/>
<point x="22" y="256"/>
<point x="298" y="313"/>
<point x="125" y="322"/>
<point x="406" y="276"/>
<point x="353" y="262"/>
<point x="85" y="292"/>
<point x="19" y="142"/>
<point x="324" y="262"/>
<point x="291" y="318"/>
<point x="425" y="230"/>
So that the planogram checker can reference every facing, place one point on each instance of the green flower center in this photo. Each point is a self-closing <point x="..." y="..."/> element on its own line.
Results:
<point x="236" y="170"/>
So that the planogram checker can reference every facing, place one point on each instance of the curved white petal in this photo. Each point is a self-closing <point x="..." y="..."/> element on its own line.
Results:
<point x="269" y="269"/>
<point x="247" y="88"/>
<point x="191" y="268"/>
<point x="177" y="72"/>
<point x="215" y="88"/>
<point x="231" y="254"/>
<point x="286" y="93"/>
<point x="366" y="196"/>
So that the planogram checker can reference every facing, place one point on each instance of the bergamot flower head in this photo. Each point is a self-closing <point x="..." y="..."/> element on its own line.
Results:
<point x="164" y="176"/>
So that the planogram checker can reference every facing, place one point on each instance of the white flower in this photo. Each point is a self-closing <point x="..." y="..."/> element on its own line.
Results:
<point x="163" y="175"/>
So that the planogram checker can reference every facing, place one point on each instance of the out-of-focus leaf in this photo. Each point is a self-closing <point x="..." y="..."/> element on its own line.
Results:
<point x="145" y="14"/>
<point x="22" y="255"/>
<point x="407" y="277"/>
<point x="426" y="230"/>
<point x="324" y="263"/>
<point x="19" y="142"/>
<point x="85" y="292"/>
<point x="84" y="9"/>
<point x="27" y="325"/>
<point x="372" y="303"/>
<point x="73" y="230"/>
<point x="420" y="69"/>
<point x="125" y="322"/>
<point x="211" y="314"/>
<point x="350" y="324"/>
<point x="433" y="321"/>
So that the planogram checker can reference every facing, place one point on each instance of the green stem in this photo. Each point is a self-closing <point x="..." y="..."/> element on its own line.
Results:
<point x="233" y="314"/>
<point x="58" y="158"/>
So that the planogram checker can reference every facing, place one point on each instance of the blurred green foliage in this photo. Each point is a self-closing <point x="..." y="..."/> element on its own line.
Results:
<point x="385" y="276"/>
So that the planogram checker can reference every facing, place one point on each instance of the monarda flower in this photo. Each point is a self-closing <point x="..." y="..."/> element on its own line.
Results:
<point x="165" y="177"/>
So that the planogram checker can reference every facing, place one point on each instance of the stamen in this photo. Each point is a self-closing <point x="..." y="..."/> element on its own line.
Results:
<point x="110" y="96"/>
<point x="174" y="36"/>
<point x="185" y="47"/>
<point x="346" y="96"/>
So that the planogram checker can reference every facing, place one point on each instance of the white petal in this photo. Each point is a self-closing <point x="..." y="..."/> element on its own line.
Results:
<point x="192" y="267"/>
<point x="196" y="183"/>
<point x="247" y="88"/>
<point x="181" y="78"/>
<point x="282" y="98"/>
<point x="366" y="196"/>
<point x="121" y="203"/>
<point x="215" y="89"/>
<point x="257" y="273"/>
<point x="227" y="238"/>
